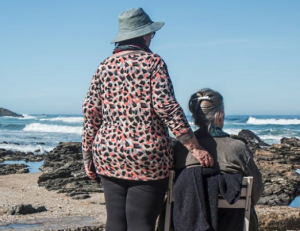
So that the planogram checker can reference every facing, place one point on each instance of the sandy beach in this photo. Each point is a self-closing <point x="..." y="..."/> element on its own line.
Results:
<point x="23" y="189"/>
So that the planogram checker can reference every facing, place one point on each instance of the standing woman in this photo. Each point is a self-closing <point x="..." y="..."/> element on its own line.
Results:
<point x="127" y="112"/>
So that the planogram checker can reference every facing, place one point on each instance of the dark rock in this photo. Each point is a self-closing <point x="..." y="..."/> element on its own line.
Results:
<point x="238" y="138"/>
<point x="6" y="169"/>
<point x="278" y="164"/>
<point x="290" y="141"/>
<point x="81" y="196"/>
<point x="63" y="171"/>
<point x="5" y="112"/>
<point x="25" y="209"/>
<point x="252" y="140"/>
<point x="17" y="155"/>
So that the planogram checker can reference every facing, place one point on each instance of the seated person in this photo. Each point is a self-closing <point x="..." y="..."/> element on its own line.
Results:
<point x="230" y="155"/>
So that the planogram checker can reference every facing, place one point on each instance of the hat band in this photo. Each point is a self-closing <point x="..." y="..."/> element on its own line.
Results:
<point x="124" y="31"/>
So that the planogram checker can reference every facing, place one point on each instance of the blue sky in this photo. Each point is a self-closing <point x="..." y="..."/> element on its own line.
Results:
<point x="249" y="51"/>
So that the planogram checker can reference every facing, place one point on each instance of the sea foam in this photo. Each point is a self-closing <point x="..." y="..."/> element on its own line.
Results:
<point x="66" y="119"/>
<point x="232" y="131"/>
<point x="26" y="117"/>
<point x="256" y="121"/>
<point x="270" y="137"/>
<point x="27" y="148"/>
<point x="37" y="127"/>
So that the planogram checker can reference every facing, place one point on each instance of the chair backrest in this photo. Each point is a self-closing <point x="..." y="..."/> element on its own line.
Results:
<point x="243" y="202"/>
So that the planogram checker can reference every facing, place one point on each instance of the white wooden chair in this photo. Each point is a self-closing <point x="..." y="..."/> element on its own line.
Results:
<point x="243" y="202"/>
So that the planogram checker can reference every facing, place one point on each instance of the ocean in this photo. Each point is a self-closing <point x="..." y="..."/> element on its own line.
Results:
<point x="42" y="133"/>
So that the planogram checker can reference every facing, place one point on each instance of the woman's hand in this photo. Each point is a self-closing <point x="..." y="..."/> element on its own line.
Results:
<point x="203" y="157"/>
<point x="198" y="152"/>
<point x="88" y="170"/>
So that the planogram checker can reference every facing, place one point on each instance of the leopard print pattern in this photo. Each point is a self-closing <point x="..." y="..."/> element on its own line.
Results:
<point x="127" y="112"/>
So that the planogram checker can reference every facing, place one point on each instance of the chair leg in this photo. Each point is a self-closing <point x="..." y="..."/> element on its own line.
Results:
<point x="168" y="216"/>
<point x="169" y="202"/>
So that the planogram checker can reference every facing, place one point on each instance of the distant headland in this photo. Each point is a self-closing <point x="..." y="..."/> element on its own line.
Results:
<point x="5" y="112"/>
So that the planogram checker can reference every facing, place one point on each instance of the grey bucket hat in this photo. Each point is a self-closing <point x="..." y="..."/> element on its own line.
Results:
<point x="134" y="23"/>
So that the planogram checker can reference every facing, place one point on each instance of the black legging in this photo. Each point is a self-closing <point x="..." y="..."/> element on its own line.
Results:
<point x="133" y="205"/>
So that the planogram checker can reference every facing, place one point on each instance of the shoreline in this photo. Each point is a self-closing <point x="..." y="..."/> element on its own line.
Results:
<point x="90" y="213"/>
<point x="18" y="189"/>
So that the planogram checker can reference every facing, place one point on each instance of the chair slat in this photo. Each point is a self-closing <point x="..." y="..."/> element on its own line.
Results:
<point x="239" y="204"/>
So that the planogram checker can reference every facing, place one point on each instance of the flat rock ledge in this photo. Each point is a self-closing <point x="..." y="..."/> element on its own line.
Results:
<point x="278" y="218"/>
<point x="6" y="169"/>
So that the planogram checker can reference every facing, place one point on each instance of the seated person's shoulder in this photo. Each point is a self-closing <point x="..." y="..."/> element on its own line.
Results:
<point x="235" y="143"/>
<point x="235" y="137"/>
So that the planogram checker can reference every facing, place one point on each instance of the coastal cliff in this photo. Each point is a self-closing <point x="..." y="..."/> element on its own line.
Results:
<point x="5" y="112"/>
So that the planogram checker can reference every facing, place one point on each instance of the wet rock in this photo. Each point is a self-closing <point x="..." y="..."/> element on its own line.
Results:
<point x="25" y="209"/>
<point x="63" y="171"/>
<point x="5" y="112"/>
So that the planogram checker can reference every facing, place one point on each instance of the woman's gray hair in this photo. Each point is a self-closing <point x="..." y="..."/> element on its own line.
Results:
<point x="206" y="106"/>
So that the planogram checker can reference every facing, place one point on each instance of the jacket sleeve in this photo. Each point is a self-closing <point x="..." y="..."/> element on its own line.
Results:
<point x="252" y="170"/>
<point x="165" y="104"/>
<point x="92" y="112"/>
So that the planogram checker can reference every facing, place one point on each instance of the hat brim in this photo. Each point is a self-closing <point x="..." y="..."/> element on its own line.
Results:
<point x="122" y="36"/>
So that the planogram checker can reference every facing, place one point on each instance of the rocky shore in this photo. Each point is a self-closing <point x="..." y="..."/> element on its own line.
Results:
<point x="8" y="155"/>
<point x="63" y="173"/>
<point x="277" y="164"/>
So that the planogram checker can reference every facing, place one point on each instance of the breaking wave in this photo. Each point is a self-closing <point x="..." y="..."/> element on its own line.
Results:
<point x="37" y="127"/>
<point x="256" y="121"/>
<point x="66" y="119"/>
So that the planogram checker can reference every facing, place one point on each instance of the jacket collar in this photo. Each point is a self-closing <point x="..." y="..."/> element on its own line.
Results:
<point x="214" y="131"/>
